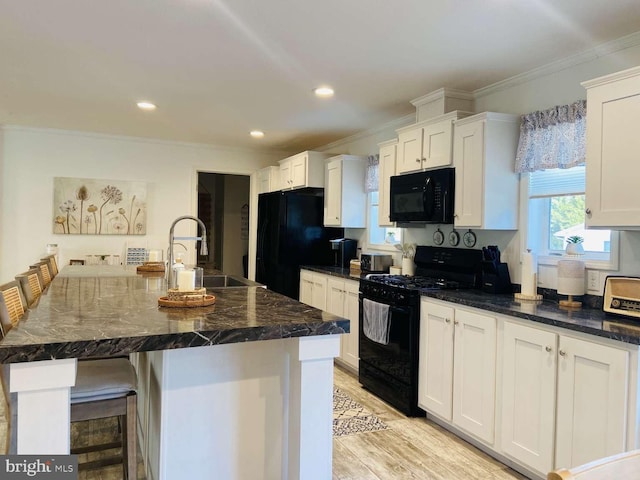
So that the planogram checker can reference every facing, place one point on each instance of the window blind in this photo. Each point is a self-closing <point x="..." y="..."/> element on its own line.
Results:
<point x="557" y="181"/>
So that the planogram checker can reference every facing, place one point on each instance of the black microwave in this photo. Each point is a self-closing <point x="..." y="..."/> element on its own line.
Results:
<point x="425" y="197"/>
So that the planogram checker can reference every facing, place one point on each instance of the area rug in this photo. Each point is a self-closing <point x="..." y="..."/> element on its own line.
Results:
<point x="350" y="417"/>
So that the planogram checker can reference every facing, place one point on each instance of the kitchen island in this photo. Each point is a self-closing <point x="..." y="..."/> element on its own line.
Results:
<point x="242" y="388"/>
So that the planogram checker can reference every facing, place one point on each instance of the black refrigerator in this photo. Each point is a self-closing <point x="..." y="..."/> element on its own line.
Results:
<point x="290" y="234"/>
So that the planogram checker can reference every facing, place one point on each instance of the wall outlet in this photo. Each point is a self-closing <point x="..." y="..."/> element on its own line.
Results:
<point x="593" y="280"/>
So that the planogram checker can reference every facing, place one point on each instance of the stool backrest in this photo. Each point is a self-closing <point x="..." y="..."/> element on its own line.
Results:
<point x="14" y="300"/>
<point x="53" y="265"/>
<point x="44" y="272"/>
<point x="31" y="286"/>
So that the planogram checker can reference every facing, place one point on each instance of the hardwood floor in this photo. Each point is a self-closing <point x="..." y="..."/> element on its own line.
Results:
<point x="412" y="448"/>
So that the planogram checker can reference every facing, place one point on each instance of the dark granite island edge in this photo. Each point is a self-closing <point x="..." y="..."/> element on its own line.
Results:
<point x="83" y="317"/>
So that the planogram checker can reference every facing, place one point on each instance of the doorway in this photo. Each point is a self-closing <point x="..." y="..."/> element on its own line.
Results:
<point x="223" y="206"/>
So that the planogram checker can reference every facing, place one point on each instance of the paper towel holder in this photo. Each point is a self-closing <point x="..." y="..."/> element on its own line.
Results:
<point x="570" y="282"/>
<point x="526" y="297"/>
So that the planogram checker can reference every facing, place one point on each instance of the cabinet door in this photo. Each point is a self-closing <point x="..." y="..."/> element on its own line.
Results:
<point x="319" y="293"/>
<point x="409" y="151"/>
<point x="386" y="170"/>
<point x="592" y="401"/>
<point x="435" y="369"/>
<point x="299" y="171"/>
<point x="333" y="193"/>
<point x="437" y="145"/>
<point x="350" y="341"/>
<point x="468" y="153"/>
<point x="474" y="374"/>
<point x="285" y="175"/>
<point x="306" y="287"/>
<point x="612" y="154"/>
<point x="529" y="363"/>
<point x="335" y="296"/>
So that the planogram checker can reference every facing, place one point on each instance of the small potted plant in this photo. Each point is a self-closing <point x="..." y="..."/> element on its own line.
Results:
<point x="574" y="245"/>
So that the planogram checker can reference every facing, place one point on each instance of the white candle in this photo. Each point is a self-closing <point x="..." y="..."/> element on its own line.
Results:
<point x="154" y="256"/>
<point x="529" y="274"/>
<point x="186" y="280"/>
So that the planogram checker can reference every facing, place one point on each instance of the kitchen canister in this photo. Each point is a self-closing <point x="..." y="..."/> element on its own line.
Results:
<point x="408" y="267"/>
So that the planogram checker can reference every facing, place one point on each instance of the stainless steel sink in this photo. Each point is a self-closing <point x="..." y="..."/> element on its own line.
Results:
<point x="227" y="281"/>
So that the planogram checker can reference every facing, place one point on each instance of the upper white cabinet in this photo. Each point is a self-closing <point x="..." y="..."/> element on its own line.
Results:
<point x="345" y="200"/>
<point x="426" y="144"/>
<point x="305" y="169"/>
<point x="386" y="169"/>
<point x="484" y="151"/>
<point x="268" y="179"/>
<point x="457" y="367"/>
<point x="613" y="104"/>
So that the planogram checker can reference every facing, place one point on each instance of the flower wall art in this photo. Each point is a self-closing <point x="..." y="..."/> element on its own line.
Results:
<point x="83" y="206"/>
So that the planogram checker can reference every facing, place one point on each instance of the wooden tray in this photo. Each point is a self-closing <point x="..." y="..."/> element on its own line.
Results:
<point x="151" y="267"/>
<point x="204" y="301"/>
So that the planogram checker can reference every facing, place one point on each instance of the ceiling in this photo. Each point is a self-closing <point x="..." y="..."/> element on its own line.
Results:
<point x="220" y="68"/>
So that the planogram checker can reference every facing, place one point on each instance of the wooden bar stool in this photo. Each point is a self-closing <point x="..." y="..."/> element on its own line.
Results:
<point x="623" y="466"/>
<point x="31" y="286"/>
<point x="14" y="300"/>
<point x="53" y="265"/>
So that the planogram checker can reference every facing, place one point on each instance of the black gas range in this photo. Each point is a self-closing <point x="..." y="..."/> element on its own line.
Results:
<point x="388" y="365"/>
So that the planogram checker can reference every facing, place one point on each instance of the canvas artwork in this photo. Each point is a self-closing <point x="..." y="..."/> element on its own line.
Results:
<point x="83" y="206"/>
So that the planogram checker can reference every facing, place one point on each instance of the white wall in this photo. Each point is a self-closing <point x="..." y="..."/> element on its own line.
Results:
<point x="536" y="91"/>
<point x="30" y="158"/>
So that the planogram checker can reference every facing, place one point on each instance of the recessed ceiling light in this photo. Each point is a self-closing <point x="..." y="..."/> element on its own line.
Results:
<point x="146" y="106"/>
<point x="323" y="92"/>
<point x="256" y="133"/>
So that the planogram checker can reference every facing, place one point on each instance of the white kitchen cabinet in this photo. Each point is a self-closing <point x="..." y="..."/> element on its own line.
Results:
<point x="592" y="401"/>
<point x="426" y="144"/>
<point x="268" y="179"/>
<point x="484" y="151"/>
<point x="345" y="199"/>
<point x="342" y="300"/>
<point x="305" y="169"/>
<point x="457" y="369"/>
<point x="584" y="419"/>
<point x="612" y="151"/>
<point x="529" y="360"/>
<point x="386" y="169"/>
<point x="313" y="289"/>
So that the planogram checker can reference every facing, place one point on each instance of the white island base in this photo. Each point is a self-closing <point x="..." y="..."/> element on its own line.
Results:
<point x="251" y="410"/>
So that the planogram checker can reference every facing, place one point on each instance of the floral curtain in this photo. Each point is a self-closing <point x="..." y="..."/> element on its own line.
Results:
<point x="553" y="138"/>
<point x="371" y="174"/>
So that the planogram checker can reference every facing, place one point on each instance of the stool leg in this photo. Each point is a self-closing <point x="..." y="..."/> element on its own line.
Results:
<point x="130" y="440"/>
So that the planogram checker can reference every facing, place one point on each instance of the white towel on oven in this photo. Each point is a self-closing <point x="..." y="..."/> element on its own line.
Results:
<point x="375" y="321"/>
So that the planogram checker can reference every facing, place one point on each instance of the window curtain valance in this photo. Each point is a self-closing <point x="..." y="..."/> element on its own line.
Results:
<point x="371" y="173"/>
<point x="553" y="138"/>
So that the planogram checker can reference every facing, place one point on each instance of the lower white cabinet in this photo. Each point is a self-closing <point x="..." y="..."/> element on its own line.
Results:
<point x="585" y="418"/>
<point x="457" y="369"/>
<point x="342" y="300"/>
<point x="313" y="289"/>
<point x="340" y="297"/>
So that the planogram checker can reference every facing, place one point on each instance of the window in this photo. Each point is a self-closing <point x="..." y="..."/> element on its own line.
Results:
<point x="556" y="212"/>
<point x="380" y="237"/>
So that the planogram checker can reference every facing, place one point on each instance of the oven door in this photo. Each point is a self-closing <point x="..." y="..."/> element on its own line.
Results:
<point x="391" y="371"/>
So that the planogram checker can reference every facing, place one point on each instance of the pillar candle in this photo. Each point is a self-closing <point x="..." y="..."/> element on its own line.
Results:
<point x="186" y="280"/>
<point x="529" y="274"/>
<point x="153" y="256"/>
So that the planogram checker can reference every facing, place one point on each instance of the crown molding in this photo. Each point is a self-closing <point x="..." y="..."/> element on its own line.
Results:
<point x="607" y="48"/>
<point x="441" y="93"/>
<point x="393" y="124"/>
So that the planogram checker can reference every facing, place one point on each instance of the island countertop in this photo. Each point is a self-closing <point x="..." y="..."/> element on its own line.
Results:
<point x="108" y="311"/>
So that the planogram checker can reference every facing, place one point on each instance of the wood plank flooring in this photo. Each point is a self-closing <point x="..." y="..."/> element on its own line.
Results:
<point x="412" y="448"/>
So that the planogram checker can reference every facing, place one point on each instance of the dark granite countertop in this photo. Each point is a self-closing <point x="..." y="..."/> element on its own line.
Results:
<point x="109" y="311"/>
<point x="587" y="320"/>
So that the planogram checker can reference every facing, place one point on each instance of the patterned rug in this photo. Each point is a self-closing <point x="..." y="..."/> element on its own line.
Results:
<point x="349" y="417"/>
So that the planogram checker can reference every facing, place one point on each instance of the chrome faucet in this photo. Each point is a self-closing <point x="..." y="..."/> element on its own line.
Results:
<point x="203" y="243"/>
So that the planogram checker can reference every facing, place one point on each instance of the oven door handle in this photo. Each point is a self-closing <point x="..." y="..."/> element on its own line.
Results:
<point x="404" y="310"/>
